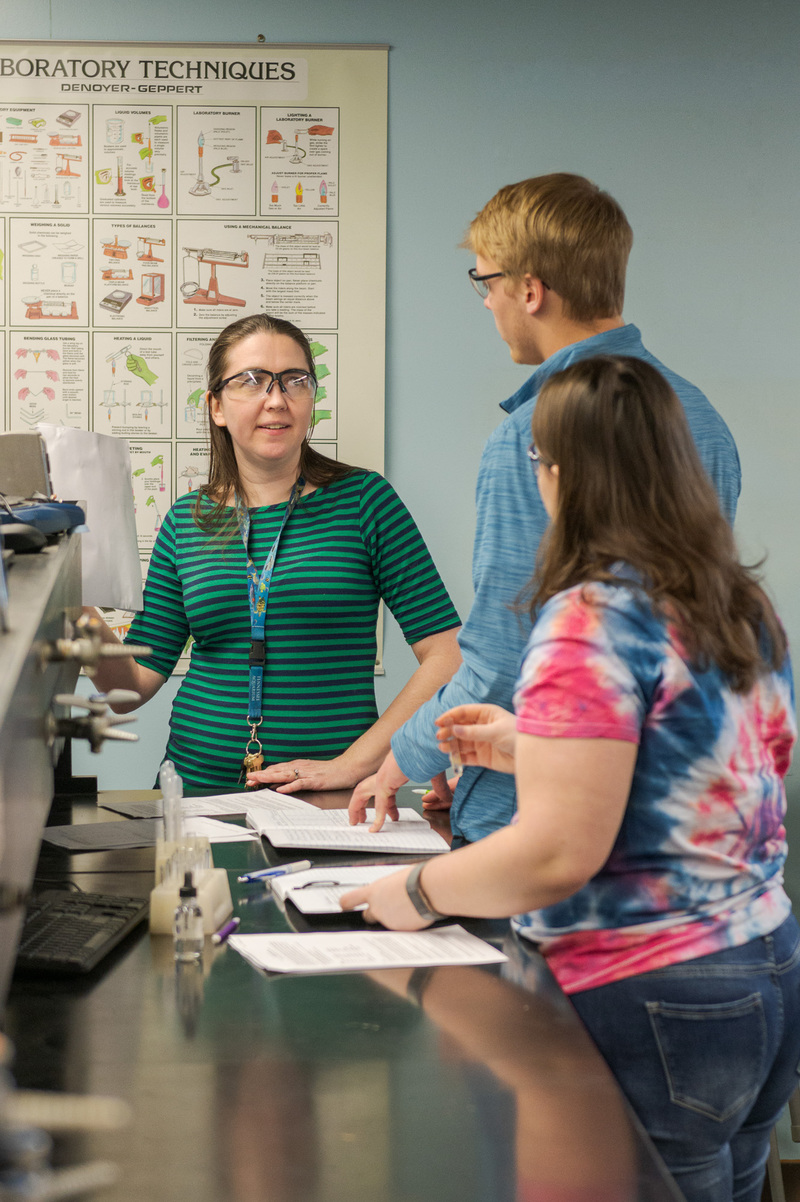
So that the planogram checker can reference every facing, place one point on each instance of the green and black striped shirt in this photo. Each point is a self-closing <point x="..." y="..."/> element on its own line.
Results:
<point x="343" y="549"/>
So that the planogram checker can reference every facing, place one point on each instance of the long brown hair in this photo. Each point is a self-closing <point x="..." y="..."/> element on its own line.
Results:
<point x="212" y="511"/>
<point x="631" y="488"/>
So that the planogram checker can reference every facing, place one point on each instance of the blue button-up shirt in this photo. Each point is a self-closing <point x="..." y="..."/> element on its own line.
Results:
<point x="510" y="523"/>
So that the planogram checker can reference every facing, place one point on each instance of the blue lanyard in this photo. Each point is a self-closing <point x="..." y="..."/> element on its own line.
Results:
<point x="258" y="596"/>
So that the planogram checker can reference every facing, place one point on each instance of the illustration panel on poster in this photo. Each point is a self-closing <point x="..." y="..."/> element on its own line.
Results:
<point x="132" y="375"/>
<point x="132" y="277"/>
<point x="216" y="163"/>
<point x="48" y="379"/>
<point x="288" y="269"/>
<point x="48" y="271"/>
<point x="45" y="162"/>
<point x="132" y="159"/>
<point x="299" y="162"/>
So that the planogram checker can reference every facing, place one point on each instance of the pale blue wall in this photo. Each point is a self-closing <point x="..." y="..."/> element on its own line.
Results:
<point x="687" y="112"/>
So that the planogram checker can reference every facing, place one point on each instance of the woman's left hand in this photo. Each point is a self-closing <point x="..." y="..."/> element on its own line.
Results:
<point x="293" y="775"/>
<point x="387" y="902"/>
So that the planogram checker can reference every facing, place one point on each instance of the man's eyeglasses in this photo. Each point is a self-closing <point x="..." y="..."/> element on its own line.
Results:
<point x="258" y="381"/>
<point x="481" y="282"/>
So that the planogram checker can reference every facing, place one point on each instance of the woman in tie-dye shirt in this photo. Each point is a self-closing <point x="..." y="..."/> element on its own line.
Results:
<point x="697" y="863"/>
<point x="655" y="723"/>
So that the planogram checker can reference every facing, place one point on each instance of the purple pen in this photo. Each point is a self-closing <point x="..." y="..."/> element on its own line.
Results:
<point x="224" y="931"/>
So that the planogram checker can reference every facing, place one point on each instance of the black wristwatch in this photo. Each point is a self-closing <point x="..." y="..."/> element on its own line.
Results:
<point x="418" y="899"/>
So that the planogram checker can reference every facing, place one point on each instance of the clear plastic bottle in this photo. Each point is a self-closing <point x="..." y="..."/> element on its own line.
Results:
<point x="187" y="928"/>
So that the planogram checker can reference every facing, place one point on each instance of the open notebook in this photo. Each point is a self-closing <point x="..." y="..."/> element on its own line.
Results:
<point x="305" y="826"/>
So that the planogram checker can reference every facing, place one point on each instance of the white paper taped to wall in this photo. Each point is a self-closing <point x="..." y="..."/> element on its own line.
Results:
<point x="96" y="469"/>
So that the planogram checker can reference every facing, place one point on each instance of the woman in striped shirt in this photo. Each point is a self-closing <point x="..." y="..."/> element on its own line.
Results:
<point x="275" y="570"/>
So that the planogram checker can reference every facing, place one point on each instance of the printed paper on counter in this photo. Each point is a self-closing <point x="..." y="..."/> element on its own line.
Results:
<point x="362" y="951"/>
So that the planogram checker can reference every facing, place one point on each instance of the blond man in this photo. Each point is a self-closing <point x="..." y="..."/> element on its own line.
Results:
<point x="550" y="261"/>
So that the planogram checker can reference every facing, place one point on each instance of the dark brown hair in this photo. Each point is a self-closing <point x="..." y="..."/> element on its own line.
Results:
<point x="212" y="510"/>
<point x="563" y="229"/>
<point x="631" y="488"/>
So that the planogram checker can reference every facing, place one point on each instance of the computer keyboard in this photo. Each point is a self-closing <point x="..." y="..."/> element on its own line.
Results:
<point x="71" y="932"/>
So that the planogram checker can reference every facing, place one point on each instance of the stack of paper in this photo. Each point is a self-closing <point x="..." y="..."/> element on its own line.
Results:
<point x="228" y="805"/>
<point x="231" y="805"/>
<point x="102" y="836"/>
<point x="217" y="832"/>
<point x="305" y="825"/>
<point x="360" y="951"/>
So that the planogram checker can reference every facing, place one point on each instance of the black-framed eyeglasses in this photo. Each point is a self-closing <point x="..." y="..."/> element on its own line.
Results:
<point x="481" y="282"/>
<point x="258" y="381"/>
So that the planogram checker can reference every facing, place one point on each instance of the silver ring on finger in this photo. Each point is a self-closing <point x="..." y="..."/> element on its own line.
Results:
<point x="297" y="774"/>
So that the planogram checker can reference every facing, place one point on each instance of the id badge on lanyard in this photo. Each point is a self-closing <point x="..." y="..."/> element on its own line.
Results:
<point x="258" y="586"/>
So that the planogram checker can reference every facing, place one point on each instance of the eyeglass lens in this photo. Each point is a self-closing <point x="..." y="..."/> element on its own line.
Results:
<point x="255" y="382"/>
<point x="481" y="282"/>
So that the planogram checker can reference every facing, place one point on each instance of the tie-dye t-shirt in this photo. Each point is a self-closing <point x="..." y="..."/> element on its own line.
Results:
<point x="697" y="865"/>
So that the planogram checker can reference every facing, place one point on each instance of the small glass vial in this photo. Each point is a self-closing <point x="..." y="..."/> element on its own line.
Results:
<point x="187" y="928"/>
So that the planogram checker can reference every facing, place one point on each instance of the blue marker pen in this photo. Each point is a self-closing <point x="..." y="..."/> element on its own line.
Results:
<point x="265" y="873"/>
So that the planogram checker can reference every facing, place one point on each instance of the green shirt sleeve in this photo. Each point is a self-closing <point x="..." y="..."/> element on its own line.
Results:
<point x="162" y="624"/>
<point x="404" y="571"/>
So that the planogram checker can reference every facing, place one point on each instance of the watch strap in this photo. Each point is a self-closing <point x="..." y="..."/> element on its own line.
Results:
<point x="418" y="899"/>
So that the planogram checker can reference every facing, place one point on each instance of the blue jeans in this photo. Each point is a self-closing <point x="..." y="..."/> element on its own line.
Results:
<point x="707" y="1054"/>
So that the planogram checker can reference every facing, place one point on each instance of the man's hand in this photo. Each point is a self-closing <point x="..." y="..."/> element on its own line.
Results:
<point x="383" y="787"/>
<point x="440" y="794"/>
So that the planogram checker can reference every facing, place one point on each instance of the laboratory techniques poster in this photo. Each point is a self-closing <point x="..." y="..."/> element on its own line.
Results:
<point x="152" y="193"/>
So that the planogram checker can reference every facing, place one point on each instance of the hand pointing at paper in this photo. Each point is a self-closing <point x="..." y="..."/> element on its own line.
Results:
<point x="383" y="786"/>
<point x="387" y="902"/>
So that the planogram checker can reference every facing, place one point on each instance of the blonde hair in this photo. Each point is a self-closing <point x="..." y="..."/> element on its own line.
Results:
<point x="563" y="230"/>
